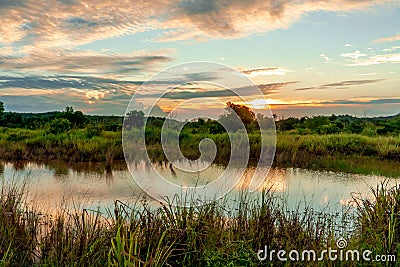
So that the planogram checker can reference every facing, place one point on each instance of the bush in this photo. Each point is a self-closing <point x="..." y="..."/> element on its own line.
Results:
<point x="93" y="130"/>
<point x="58" y="126"/>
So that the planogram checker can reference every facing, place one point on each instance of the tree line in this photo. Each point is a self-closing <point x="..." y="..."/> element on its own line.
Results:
<point x="333" y="124"/>
<point x="59" y="121"/>
<point x="63" y="121"/>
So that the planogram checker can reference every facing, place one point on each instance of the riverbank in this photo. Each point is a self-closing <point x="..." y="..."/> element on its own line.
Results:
<point x="209" y="235"/>
<point x="350" y="153"/>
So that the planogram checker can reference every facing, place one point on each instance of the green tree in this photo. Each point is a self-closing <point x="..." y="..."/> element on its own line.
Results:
<point x="135" y="119"/>
<point x="69" y="109"/>
<point x="1" y="112"/>
<point x="215" y="128"/>
<point x="265" y="122"/>
<point x="13" y="120"/>
<point x="59" y="125"/>
<point x="76" y="118"/>
<point x="245" y="114"/>
<point x="287" y="124"/>
<point x="35" y="122"/>
<point x="356" y="127"/>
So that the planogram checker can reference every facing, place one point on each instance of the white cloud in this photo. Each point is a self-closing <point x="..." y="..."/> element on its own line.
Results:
<point x="377" y="59"/>
<point x="355" y="55"/>
<point x="326" y="58"/>
<point x="368" y="74"/>
<point x="266" y="72"/>
<point x="391" y="49"/>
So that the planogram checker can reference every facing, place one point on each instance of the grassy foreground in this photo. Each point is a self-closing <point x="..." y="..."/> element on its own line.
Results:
<point x="210" y="235"/>
<point x="353" y="153"/>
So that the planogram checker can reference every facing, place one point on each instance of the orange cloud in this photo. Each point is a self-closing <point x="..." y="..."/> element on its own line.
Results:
<point x="388" y="39"/>
<point x="74" y="23"/>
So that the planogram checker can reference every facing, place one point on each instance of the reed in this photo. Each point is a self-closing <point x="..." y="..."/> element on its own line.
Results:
<point x="352" y="153"/>
<point x="379" y="219"/>
<point x="214" y="234"/>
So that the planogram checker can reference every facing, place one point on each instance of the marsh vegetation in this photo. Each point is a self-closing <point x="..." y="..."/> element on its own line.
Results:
<point x="210" y="235"/>
<point x="169" y="235"/>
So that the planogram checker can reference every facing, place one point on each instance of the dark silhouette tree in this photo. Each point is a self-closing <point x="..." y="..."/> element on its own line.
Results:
<point x="76" y="118"/>
<point x="135" y="119"/>
<point x="245" y="114"/>
<point x="1" y="112"/>
<point x="13" y="120"/>
<point x="69" y="109"/>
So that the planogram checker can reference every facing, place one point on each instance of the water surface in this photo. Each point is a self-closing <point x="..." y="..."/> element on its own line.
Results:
<point x="55" y="184"/>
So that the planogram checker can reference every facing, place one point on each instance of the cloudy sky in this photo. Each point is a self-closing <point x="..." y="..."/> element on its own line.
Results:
<point x="307" y="56"/>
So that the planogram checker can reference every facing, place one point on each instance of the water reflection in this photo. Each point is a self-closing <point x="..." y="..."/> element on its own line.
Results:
<point x="94" y="185"/>
<point x="53" y="185"/>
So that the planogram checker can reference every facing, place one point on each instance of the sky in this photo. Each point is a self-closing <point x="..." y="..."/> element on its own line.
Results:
<point x="308" y="57"/>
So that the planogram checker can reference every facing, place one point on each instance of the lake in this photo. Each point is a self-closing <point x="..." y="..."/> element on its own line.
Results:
<point x="90" y="186"/>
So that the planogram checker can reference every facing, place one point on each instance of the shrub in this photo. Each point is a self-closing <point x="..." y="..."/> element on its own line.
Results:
<point x="59" y="126"/>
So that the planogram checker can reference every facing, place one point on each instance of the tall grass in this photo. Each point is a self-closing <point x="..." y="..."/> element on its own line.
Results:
<point x="170" y="235"/>
<point x="340" y="152"/>
<point x="383" y="147"/>
<point x="336" y="152"/>
<point x="73" y="146"/>
<point x="209" y="235"/>
<point x="17" y="229"/>
<point x="379" y="219"/>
